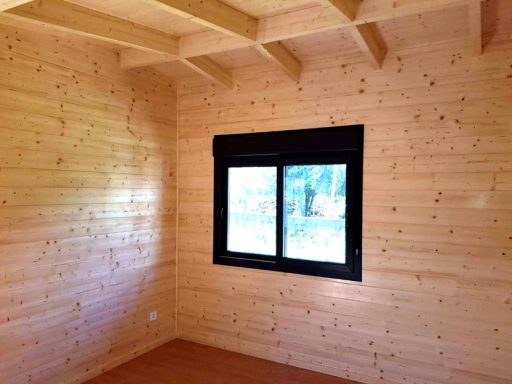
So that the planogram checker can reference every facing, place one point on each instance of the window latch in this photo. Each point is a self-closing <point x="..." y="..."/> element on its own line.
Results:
<point x="222" y="214"/>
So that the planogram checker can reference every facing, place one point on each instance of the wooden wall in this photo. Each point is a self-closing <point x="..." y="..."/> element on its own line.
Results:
<point x="435" y="304"/>
<point x="87" y="209"/>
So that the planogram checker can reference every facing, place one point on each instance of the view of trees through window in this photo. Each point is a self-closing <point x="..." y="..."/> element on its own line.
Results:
<point x="252" y="210"/>
<point x="314" y="211"/>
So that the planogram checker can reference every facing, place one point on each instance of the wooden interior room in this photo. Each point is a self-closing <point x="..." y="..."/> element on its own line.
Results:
<point x="256" y="191"/>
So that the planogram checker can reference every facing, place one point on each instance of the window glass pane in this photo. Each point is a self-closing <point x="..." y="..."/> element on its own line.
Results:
<point x="314" y="210"/>
<point x="252" y="210"/>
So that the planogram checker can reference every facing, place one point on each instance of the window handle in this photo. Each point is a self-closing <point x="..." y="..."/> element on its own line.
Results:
<point x="222" y="214"/>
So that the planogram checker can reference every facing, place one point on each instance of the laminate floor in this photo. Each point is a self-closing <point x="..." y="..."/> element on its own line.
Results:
<point x="183" y="362"/>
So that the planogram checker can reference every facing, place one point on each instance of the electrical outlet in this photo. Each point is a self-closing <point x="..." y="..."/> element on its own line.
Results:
<point x="153" y="316"/>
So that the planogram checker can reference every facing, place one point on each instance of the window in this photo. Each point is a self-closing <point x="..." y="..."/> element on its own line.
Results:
<point x="290" y="201"/>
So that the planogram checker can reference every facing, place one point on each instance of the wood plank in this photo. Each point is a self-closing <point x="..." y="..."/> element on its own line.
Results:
<point x="213" y="14"/>
<point x="210" y="69"/>
<point x="364" y="35"/>
<point x="475" y="26"/>
<point x="84" y="22"/>
<point x="135" y="58"/>
<point x="417" y="6"/>
<point x="282" y="57"/>
<point x="8" y="4"/>
<point x="75" y="128"/>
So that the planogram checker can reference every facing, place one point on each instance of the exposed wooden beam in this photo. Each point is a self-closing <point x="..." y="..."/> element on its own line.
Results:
<point x="347" y="8"/>
<point x="475" y="26"/>
<point x="82" y="21"/>
<point x="8" y="4"/>
<point x="319" y="18"/>
<point x="364" y="36"/>
<point x="213" y="14"/>
<point x="210" y="69"/>
<point x="135" y="58"/>
<point x="280" y="55"/>
<point x="362" y="33"/>
<point x="417" y="6"/>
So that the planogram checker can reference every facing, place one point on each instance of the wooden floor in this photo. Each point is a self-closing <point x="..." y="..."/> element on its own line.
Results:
<point x="183" y="362"/>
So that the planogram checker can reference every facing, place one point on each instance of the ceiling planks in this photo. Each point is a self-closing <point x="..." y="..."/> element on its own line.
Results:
<point x="320" y="18"/>
<point x="210" y="69"/>
<point x="213" y="14"/>
<point x="281" y="56"/>
<point x="82" y="21"/>
<point x="231" y="29"/>
<point x="152" y="46"/>
<point x="475" y="26"/>
<point x="8" y="4"/>
<point x="305" y="22"/>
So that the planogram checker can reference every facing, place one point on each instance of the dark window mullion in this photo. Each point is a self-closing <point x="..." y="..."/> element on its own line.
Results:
<point x="223" y="208"/>
<point x="280" y="214"/>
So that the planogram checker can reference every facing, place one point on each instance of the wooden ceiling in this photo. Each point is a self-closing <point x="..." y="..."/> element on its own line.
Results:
<point x="211" y="37"/>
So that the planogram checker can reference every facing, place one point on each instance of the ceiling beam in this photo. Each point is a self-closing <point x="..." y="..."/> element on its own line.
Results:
<point x="475" y="26"/>
<point x="82" y="21"/>
<point x="418" y="6"/>
<point x="135" y="58"/>
<point x="364" y="36"/>
<point x="211" y="70"/>
<point x="8" y="4"/>
<point x="303" y="22"/>
<point x="320" y="18"/>
<point x="347" y="8"/>
<point x="281" y="56"/>
<point x="212" y="14"/>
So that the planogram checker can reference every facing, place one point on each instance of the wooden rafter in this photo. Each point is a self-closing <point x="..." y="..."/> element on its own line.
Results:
<point x="475" y="26"/>
<point x="289" y="25"/>
<point x="8" y="4"/>
<point x="364" y="36"/>
<point x="321" y="18"/>
<point x="135" y="58"/>
<point x="418" y="6"/>
<point x="211" y="70"/>
<point x="147" y="46"/>
<point x="347" y="8"/>
<point x="213" y="14"/>
<point x="82" y="21"/>
<point x="280" y="55"/>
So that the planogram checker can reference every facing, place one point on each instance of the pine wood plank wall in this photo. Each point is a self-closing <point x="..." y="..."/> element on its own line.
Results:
<point x="435" y="304"/>
<point x="87" y="209"/>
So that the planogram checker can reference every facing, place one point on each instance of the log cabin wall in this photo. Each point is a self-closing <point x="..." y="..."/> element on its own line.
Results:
<point x="87" y="208"/>
<point x="435" y="304"/>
